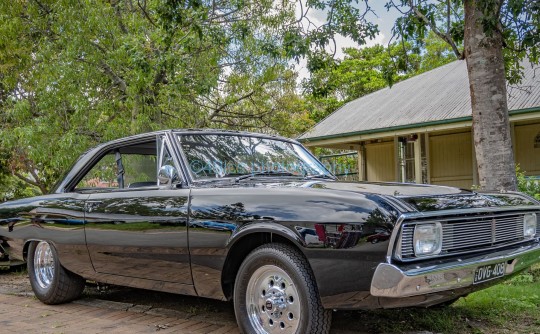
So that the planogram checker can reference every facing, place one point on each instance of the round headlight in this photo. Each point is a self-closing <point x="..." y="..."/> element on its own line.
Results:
<point x="529" y="225"/>
<point x="427" y="239"/>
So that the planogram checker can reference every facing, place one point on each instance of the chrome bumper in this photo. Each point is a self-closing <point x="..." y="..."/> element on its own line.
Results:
<point x="391" y="281"/>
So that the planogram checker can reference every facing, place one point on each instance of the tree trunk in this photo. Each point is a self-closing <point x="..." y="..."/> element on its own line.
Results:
<point x="491" y="125"/>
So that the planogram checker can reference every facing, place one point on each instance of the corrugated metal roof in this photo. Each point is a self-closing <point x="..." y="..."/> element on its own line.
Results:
<point x="440" y="94"/>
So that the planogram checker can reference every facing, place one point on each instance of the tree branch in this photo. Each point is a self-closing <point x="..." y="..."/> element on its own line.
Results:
<point x="119" y="16"/>
<point x="145" y="13"/>
<point x="29" y="181"/>
<point x="116" y="78"/>
<point x="225" y="105"/>
<point x="433" y="27"/>
<point x="447" y="17"/>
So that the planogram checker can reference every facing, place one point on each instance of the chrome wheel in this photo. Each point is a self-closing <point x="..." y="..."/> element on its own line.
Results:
<point x="272" y="301"/>
<point x="44" y="264"/>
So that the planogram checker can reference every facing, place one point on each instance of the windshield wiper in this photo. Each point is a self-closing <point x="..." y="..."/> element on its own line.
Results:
<point x="319" y="176"/>
<point x="268" y="172"/>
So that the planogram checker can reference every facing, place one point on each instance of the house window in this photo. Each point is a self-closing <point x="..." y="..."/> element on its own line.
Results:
<point x="537" y="141"/>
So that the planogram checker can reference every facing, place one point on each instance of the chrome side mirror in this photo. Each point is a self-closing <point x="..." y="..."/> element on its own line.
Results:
<point x="167" y="176"/>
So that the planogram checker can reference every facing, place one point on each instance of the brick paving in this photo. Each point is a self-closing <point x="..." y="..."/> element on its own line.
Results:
<point x="23" y="314"/>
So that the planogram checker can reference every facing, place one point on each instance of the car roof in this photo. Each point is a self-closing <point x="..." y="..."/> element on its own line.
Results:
<point x="197" y="131"/>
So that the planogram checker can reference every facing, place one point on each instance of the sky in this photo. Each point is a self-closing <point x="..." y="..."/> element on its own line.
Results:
<point x="383" y="18"/>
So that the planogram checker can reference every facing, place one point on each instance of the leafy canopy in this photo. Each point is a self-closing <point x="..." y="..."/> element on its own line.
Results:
<point x="75" y="73"/>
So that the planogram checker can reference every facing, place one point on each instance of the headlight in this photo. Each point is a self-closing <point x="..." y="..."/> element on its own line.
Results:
<point x="427" y="239"/>
<point x="529" y="225"/>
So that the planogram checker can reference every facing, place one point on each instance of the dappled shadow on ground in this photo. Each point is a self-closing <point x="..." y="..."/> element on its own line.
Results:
<point x="194" y="306"/>
<point x="506" y="308"/>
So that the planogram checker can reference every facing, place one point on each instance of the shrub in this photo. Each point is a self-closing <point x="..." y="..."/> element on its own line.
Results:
<point x="528" y="186"/>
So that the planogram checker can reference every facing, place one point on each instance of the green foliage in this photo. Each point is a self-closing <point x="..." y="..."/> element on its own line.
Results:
<point x="342" y="164"/>
<point x="517" y="20"/>
<point x="363" y="71"/>
<point x="528" y="186"/>
<point x="76" y="73"/>
<point x="516" y="295"/>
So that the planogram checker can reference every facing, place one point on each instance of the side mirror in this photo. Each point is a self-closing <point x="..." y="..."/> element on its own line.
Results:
<point x="167" y="176"/>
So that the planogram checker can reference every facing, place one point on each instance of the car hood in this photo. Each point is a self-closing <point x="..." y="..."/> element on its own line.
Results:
<point x="392" y="189"/>
<point x="410" y="197"/>
<point x="379" y="188"/>
<point x="421" y="197"/>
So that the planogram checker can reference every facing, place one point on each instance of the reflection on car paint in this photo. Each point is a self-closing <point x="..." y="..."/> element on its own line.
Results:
<point x="183" y="237"/>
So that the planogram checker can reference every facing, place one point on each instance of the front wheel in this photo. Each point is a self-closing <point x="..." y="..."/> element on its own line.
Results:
<point x="51" y="283"/>
<point x="275" y="292"/>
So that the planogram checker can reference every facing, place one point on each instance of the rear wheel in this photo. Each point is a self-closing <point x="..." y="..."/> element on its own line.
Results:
<point x="51" y="283"/>
<point x="275" y="292"/>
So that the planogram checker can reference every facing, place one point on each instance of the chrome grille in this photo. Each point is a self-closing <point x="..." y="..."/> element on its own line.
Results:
<point x="463" y="234"/>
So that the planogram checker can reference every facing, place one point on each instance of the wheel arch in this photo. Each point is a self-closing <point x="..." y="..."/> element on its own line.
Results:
<point x="244" y="244"/>
<point x="27" y="246"/>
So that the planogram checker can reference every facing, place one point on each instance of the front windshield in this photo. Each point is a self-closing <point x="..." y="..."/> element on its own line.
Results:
<point x="212" y="156"/>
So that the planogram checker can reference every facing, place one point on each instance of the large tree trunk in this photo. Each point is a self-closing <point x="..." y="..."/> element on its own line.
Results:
<point x="491" y="126"/>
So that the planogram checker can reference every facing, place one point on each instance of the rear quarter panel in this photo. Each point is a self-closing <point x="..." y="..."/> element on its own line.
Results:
<point x="58" y="218"/>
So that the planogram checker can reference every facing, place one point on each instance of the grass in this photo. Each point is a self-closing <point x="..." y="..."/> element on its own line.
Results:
<point x="509" y="307"/>
<point x="21" y="270"/>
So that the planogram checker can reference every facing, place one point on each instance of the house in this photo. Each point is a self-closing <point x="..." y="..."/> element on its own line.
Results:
<point x="419" y="130"/>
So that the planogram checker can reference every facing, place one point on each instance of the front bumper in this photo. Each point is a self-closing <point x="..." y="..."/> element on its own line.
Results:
<point x="392" y="281"/>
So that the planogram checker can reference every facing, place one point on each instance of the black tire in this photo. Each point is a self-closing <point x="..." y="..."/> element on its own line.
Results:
<point x="52" y="283"/>
<point x="296" y="308"/>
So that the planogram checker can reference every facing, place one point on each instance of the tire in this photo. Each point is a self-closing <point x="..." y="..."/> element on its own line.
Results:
<point x="275" y="292"/>
<point x="51" y="283"/>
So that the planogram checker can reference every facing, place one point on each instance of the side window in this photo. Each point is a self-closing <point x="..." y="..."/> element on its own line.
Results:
<point x="102" y="175"/>
<point x="140" y="170"/>
<point x="116" y="169"/>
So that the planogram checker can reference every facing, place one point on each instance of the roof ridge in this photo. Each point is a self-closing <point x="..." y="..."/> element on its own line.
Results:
<point x="438" y="94"/>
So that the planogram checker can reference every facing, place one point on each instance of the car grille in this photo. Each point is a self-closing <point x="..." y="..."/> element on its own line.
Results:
<point x="461" y="235"/>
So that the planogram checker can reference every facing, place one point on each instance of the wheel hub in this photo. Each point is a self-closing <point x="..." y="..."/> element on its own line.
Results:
<point x="44" y="264"/>
<point x="276" y="303"/>
<point x="272" y="301"/>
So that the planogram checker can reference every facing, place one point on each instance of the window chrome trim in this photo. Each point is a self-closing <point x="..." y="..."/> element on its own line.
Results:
<point x="163" y="144"/>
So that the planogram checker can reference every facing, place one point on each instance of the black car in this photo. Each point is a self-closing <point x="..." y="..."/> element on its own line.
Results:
<point x="258" y="220"/>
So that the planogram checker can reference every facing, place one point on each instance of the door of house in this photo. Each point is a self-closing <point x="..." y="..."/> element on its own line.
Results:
<point x="406" y="159"/>
<point x="412" y="159"/>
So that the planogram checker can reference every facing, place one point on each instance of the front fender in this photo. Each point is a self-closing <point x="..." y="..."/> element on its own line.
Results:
<point x="266" y="227"/>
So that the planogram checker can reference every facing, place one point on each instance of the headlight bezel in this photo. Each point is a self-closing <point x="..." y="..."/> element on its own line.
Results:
<point x="530" y="223"/>
<point x="421" y="231"/>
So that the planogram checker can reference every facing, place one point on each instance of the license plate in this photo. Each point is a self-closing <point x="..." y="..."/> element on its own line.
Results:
<point x="489" y="272"/>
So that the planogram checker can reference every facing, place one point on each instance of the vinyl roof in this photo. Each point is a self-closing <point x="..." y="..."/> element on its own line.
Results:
<point x="440" y="94"/>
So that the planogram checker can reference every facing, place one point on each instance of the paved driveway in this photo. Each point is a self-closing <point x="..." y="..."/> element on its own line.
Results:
<point x="112" y="309"/>
<point x="24" y="314"/>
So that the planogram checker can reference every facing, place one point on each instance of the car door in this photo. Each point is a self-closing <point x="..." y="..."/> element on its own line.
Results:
<point x="136" y="227"/>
